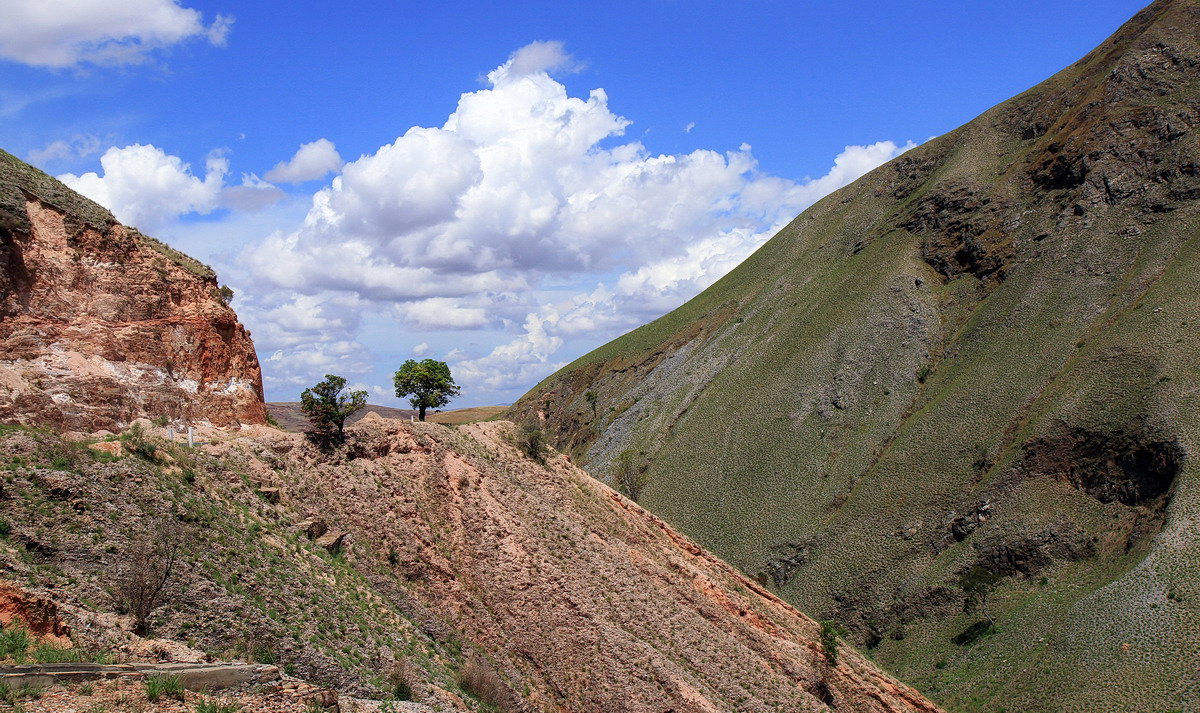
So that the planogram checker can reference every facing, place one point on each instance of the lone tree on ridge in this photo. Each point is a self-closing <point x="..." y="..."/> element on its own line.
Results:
<point x="328" y="405"/>
<point x="428" y="381"/>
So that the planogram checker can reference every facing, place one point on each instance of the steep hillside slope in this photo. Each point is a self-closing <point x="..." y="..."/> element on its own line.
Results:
<point x="494" y="580"/>
<point x="100" y="324"/>
<point x="982" y="353"/>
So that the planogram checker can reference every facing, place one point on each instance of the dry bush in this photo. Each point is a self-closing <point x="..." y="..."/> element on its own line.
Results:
<point x="401" y="677"/>
<point x="629" y="475"/>
<point x="479" y="679"/>
<point x="144" y="576"/>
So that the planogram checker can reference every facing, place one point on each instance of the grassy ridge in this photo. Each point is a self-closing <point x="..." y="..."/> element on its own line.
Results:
<point x="912" y="372"/>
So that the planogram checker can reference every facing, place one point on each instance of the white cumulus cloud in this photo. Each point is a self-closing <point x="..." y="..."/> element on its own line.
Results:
<point x="522" y="191"/>
<point x="145" y="186"/>
<point x="65" y="33"/>
<point x="535" y="58"/>
<point x="311" y="161"/>
<point x="656" y="287"/>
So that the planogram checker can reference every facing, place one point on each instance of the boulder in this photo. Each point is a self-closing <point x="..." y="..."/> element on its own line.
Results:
<point x="333" y="540"/>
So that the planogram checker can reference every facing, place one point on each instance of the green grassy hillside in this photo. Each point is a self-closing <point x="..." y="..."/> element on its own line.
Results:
<point x="983" y="353"/>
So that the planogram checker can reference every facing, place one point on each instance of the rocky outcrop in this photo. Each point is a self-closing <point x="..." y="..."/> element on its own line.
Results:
<point x="38" y="615"/>
<point x="582" y="600"/>
<point x="100" y="325"/>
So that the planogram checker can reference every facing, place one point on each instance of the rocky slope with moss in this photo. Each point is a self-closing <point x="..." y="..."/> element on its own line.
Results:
<point x="984" y="353"/>
<point x="100" y="325"/>
<point x="492" y="581"/>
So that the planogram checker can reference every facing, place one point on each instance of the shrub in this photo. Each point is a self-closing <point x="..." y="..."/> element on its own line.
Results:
<point x="831" y="633"/>
<point x="138" y="441"/>
<point x="262" y="654"/>
<point x="12" y="695"/>
<point x="629" y="475"/>
<point x="211" y="706"/>
<point x="50" y="653"/>
<point x="532" y="443"/>
<point x="149" y="564"/>
<point x="161" y="685"/>
<point x="400" y="680"/>
<point x="479" y="680"/>
<point x="5" y="528"/>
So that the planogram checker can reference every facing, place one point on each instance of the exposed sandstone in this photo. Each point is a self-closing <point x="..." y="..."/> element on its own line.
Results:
<point x="100" y="325"/>
<point x="38" y="614"/>
<point x="582" y="600"/>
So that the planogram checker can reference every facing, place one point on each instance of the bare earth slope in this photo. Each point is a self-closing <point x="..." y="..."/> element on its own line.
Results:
<point x="453" y="552"/>
<point x="985" y="352"/>
<point x="100" y="324"/>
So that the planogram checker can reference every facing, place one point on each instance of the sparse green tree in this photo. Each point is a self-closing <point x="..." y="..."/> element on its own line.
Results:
<point x="591" y="399"/>
<point x="532" y="442"/>
<point x="831" y="639"/>
<point x="327" y="406"/>
<point x="629" y="475"/>
<point x="428" y="382"/>
<point x="978" y="584"/>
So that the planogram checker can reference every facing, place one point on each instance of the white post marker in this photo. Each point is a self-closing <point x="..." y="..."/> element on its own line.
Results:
<point x="191" y="441"/>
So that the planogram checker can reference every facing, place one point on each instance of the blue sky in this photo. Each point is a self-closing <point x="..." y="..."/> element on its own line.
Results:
<point x="545" y="217"/>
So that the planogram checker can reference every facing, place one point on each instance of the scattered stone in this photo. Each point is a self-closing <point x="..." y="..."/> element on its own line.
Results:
<point x="113" y="448"/>
<point x="312" y="527"/>
<point x="333" y="540"/>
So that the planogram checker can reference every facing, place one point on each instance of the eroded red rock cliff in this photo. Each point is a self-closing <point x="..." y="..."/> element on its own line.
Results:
<point x="100" y="324"/>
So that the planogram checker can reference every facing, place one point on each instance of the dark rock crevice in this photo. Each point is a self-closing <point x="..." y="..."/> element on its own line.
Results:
<point x="1130" y="466"/>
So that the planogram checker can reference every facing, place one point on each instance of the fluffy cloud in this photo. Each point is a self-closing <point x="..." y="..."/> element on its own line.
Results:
<point x="311" y="161"/>
<point x="442" y="313"/>
<point x="535" y="58"/>
<point x="641" y="294"/>
<point x="144" y="186"/>
<point x="485" y="222"/>
<point x="306" y="336"/>
<point x="66" y="33"/>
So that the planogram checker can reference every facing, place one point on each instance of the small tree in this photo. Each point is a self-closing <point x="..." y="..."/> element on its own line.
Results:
<point x="831" y="636"/>
<point x="532" y="442"/>
<point x="150" y="562"/>
<point x="428" y="382"/>
<point x="591" y="399"/>
<point x="978" y="584"/>
<point x="327" y="406"/>
<point x="629" y="475"/>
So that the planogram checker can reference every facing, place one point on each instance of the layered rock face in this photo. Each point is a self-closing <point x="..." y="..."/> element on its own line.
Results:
<point x="443" y="557"/>
<point x="582" y="600"/>
<point x="100" y="324"/>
